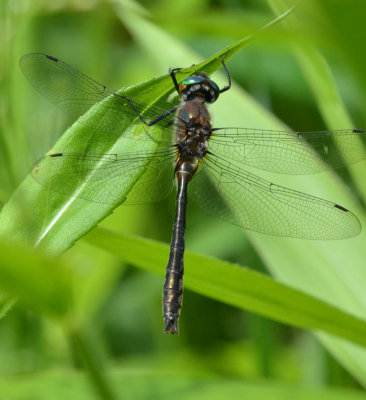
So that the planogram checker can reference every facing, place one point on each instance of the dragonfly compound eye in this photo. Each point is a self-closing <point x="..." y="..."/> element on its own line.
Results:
<point x="199" y="85"/>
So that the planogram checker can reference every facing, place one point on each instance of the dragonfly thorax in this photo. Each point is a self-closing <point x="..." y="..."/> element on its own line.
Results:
<point x="193" y="129"/>
<point x="195" y="146"/>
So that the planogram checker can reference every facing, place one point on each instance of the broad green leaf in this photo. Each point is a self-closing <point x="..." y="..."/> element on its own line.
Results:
<point x="56" y="221"/>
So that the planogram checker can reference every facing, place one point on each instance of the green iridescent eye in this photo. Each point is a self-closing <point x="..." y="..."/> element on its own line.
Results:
<point x="192" y="80"/>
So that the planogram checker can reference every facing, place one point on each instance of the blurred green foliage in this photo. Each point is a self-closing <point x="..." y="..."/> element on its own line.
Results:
<point x="219" y="348"/>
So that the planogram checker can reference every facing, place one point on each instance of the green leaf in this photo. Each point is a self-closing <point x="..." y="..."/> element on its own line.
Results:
<point x="236" y="286"/>
<point x="56" y="221"/>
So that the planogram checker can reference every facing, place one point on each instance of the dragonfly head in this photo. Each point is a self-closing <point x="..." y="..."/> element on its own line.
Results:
<point x="199" y="85"/>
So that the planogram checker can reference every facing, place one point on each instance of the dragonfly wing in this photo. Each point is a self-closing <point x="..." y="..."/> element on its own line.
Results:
<point x="256" y="204"/>
<point x="62" y="84"/>
<point x="75" y="93"/>
<point x="156" y="180"/>
<point x="290" y="152"/>
<point x="133" y="177"/>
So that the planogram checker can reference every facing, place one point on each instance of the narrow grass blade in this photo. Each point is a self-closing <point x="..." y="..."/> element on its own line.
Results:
<point x="237" y="286"/>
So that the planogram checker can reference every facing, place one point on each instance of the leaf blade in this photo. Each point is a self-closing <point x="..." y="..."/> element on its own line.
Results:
<point x="236" y="286"/>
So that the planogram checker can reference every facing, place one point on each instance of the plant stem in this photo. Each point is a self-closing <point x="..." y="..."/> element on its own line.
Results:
<point x="97" y="377"/>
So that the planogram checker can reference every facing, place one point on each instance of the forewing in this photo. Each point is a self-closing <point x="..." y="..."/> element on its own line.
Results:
<point x="253" y="203"/>
<point x="290" y="152"/>
<point x="74" y="92"/>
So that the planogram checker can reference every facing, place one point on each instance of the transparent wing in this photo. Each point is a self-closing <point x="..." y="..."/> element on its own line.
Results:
<point x="289" y="152"/>
<point x="108" y="178"/>
<point x="75" y="93"/>
<point x="256" y="204"/>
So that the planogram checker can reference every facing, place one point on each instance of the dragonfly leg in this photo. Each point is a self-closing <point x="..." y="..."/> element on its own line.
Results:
<point x="228" y="86"/>
<point x="155" y="120"/>
<point x="172" y="72"/>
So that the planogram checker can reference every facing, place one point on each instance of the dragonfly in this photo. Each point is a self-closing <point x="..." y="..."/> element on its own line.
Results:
<point x="186" y="152"/>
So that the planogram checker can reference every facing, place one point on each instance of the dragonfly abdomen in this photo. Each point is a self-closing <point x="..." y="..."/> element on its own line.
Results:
<point x="173" y="286"/>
